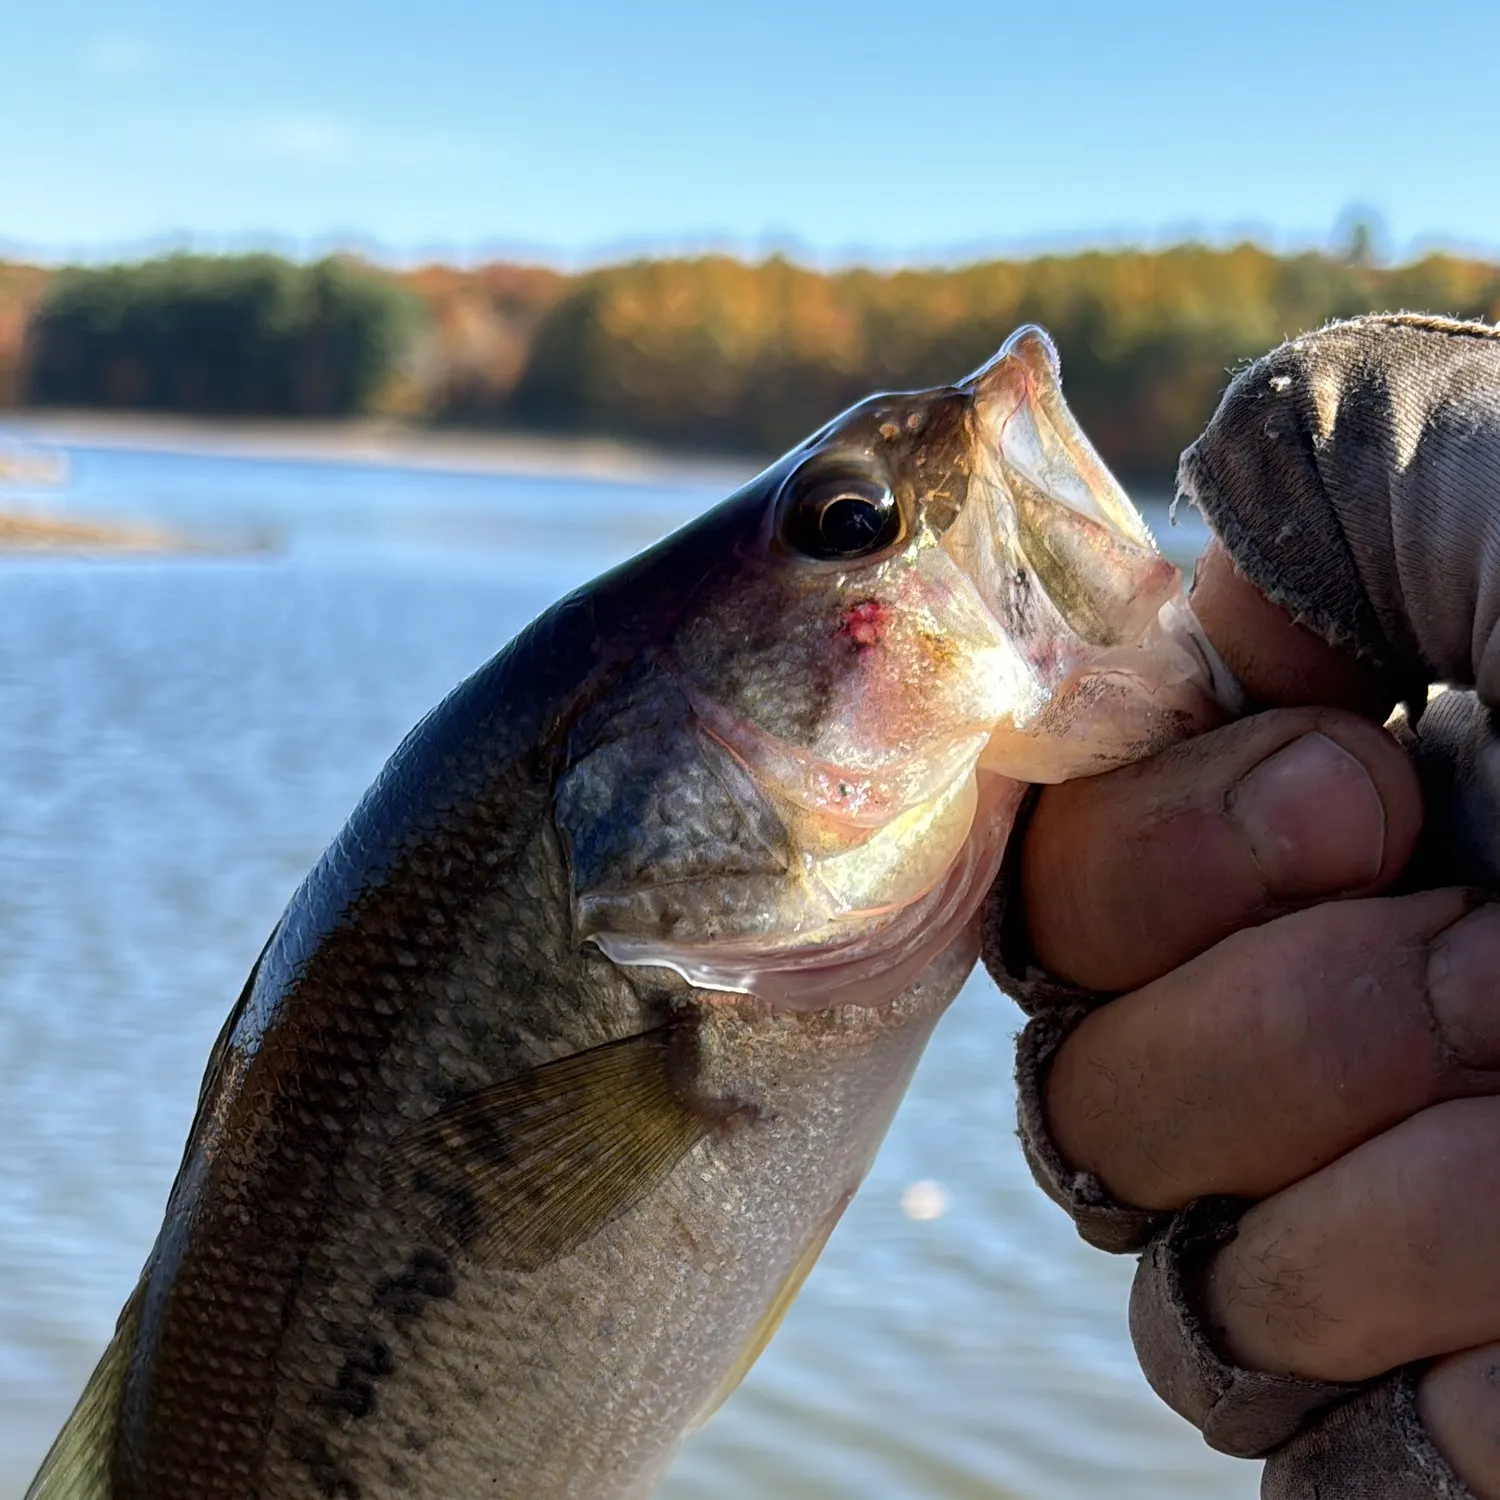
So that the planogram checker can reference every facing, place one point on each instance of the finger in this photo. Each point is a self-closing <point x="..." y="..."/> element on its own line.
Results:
<point x="1276" y="660"/>
<point x="1281" y="1049"/>
<point x="1127" y="875"/>
<point x="1385" y="1257"/>
<point x="1458" y="1400"/>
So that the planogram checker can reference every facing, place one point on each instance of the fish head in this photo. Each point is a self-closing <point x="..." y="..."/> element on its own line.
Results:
<point x="938" y="598"/>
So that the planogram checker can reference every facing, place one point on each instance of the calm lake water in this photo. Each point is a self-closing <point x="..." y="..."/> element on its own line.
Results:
<point x="178" y="740"/>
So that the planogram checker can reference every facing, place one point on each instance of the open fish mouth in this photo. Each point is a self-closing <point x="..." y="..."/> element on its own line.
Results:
<point x="1113" y="663"/>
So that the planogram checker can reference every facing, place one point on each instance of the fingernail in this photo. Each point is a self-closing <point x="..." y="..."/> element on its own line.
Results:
<point x="1313" y="819"/>
<point x="1463" y="987"/>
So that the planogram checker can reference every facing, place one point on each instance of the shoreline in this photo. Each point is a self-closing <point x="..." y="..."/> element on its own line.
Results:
<point x="371" y="441"/>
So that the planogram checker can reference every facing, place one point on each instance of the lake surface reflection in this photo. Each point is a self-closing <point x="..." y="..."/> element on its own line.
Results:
<point x="178" y="740"/>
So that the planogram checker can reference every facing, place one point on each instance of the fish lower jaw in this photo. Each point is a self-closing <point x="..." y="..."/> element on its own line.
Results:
<point x="1122" y="704"/>
<point x="874" y="968"/>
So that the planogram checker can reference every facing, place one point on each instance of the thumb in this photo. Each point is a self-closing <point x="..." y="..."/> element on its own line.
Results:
<point x="1278" y="662"/>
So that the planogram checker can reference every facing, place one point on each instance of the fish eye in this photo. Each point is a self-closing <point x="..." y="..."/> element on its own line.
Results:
<point x="834" y="518"/>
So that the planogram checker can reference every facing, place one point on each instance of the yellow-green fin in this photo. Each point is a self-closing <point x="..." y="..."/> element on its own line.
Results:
<point x="79" y="1464"/>
<point x="531" y="1168"/>
<point x="776" y="1309"/>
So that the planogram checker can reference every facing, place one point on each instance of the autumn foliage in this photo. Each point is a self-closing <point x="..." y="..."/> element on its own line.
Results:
<point x="709" y="353"/>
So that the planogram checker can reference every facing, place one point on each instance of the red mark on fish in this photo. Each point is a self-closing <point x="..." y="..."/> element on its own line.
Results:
<point x="864" y="623"/>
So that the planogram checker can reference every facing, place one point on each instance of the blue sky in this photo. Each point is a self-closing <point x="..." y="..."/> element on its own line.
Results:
<point x="580" y="129"/>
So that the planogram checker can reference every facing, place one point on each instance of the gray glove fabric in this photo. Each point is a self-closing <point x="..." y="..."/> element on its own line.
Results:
<point x="1354" y="476"/>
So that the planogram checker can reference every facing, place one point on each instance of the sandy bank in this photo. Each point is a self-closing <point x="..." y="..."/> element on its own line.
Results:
<point x="375" y="442"/>
<point x="54" y="535"/>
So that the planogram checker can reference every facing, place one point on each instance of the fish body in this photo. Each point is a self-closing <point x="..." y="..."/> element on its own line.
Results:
<point x="560" y="1067"/>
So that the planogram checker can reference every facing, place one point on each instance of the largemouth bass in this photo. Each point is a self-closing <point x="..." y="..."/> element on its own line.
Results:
<point x="559" y="1069"/>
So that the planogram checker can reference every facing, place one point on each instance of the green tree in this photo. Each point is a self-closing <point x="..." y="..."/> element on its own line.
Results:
<point x="240" y="335"/>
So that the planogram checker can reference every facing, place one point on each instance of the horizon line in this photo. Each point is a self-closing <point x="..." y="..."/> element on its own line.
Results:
<point x="749" y="250"/>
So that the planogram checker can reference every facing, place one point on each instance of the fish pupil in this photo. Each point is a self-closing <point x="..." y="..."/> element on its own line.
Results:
<point x="850" y="524"/>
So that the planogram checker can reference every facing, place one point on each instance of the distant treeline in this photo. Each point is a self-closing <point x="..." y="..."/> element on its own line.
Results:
<point x="249" y="334"/>
<point x="711" y="353"/>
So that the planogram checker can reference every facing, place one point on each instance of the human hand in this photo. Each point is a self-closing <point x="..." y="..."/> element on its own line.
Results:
<point x="1288" y="1034"/>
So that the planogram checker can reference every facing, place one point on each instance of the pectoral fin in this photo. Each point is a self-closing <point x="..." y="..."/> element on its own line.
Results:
<point x="528" y="1170"/>
<point x="79" y="1464"/>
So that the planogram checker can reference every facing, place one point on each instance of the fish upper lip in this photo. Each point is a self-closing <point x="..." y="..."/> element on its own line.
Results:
<point x="1030" y="358"/>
